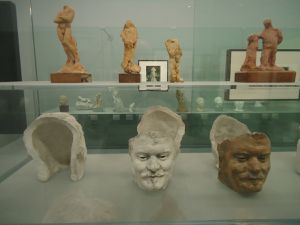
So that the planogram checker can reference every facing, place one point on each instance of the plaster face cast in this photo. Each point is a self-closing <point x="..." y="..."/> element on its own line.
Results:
<point x="245" y="162"/>
<point x="154" y="150"/>
<point x="56" y="141"/>
<point x="154" y="162"/>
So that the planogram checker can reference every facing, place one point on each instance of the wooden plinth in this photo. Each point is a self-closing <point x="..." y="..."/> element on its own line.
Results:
<point x="129" y="78"/>
<point x="70" y="77"/>
<point x="265" y="76"/>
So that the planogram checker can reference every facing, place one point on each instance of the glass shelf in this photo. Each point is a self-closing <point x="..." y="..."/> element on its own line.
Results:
<point x="21" y="85"/>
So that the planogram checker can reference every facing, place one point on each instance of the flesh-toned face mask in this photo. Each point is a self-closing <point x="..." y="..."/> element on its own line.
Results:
<point x="245" y="162"/>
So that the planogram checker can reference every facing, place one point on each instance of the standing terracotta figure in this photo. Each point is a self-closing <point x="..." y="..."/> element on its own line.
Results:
<point x="64" y="19"/>
<point x="250" y="60"/>
<point x="271" y="37"/>
<point x="181" y="102"/>
<point x="129" y="37"/>
<point x="175" y="54"/>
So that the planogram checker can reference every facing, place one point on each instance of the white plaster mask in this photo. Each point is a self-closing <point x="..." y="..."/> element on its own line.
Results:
<point x="154" y="150"/>
<point x="153" y="158"/>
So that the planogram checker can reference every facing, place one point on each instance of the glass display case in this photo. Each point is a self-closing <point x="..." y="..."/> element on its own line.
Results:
<point x="207" y="30"/>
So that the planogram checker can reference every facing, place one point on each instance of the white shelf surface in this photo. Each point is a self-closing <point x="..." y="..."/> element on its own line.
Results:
<point x="194" y="194"/>
<point x="21" y="85"/>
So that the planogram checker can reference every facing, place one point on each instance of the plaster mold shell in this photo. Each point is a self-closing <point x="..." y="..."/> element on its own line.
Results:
<point x="163" y="120"/>
<point x="56" y="141"/>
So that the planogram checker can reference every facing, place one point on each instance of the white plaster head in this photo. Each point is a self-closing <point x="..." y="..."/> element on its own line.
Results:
<point x="218" y="102"/>
<point x="56" y="141"/>
<point x="200" y="104"/>
<point x="225" y="128"/>
<point x="239" y="106"/>
<point x="154" y="150"/>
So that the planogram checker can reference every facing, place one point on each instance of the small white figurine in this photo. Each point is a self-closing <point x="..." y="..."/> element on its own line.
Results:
<point x="98" y="103"/>
<point x="83" y="103"/>
<point x="218" y="102"/>
<point x="239" y="106"/>
<point x="154" y="150"/>
<point x="131" y="107"/>
<point x="63" y="103"/>
<point x="258" y="104"/>
<point x="56" y="141"/>
<point x="118" y="103"/>
<point x="200" y="104"/>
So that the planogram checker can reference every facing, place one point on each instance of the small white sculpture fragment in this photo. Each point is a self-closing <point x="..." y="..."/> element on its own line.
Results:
<point x="239" y="106"/>
<point x="154" y="150"/>
<point x="218" y="102"/>
<point x="200" y="104"/>
<point x="63" y="103"/>
<point x="83" y="103"/>
<point x="56" y="141"/>
<point x="223" y="128"/>
<point x="131" y="107"/>
<point x="88" y="103"/>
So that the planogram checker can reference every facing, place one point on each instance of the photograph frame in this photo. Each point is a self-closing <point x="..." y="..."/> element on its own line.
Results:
<point x="154" y="71"/>
<point x="288" y="58"/>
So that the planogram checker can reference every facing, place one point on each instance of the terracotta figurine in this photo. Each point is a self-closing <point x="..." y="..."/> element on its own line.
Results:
<point x="181" y="102"/>
<point x="129" y="36"/>
<point x="250" y="60"/>
<point x="175" y="54"/>
<point x="64" y="19"/>
<point x="271" y="37"/>
<point x="244" y="162"/>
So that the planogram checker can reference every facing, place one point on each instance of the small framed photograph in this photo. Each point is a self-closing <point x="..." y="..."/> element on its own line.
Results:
<point x="154" y="70"/>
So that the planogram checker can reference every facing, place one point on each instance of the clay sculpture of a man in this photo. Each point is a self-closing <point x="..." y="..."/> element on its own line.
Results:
<point x="64" y="19"/>
<point x="244" y="162"/>
<point x="271" y="38"/>
<point x="129" y="36"/>
<point x="175" y="54"/>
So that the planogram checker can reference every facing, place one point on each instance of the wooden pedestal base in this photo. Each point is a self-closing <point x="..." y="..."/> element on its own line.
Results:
<point x="265" y="76"/>
<point x="129" y="78"/>
<point x="70" y="77"/>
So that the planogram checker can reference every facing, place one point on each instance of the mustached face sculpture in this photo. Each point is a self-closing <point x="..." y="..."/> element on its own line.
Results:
<point x="154" y="150"/>
<point x="244" y="162"/>
<point x="154" y="162"/>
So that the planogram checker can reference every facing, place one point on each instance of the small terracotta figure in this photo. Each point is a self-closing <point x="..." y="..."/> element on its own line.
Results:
<point x="129" y="36"/>
<point x="250" y="60"/>
<point x="244" y="162"/>
<point x="64" y="19"/>
<point x="175" y="54"/>
<point x="181" y="102"/>
<point x="271" y="37"/>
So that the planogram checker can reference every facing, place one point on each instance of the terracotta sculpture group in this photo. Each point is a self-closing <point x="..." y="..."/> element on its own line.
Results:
<point x="271" y="38"/>
<point x="267" y="71"/>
